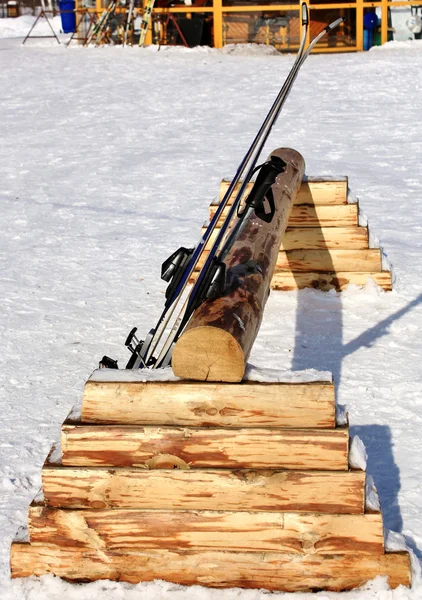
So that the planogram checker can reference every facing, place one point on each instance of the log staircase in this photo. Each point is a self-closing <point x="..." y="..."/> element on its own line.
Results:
<point x="326" y="246"/>
<point x="245" y="485"/>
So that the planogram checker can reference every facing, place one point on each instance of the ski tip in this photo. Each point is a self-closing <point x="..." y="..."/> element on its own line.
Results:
<point x="305" y="15"/>
<point x="334" y="24"/>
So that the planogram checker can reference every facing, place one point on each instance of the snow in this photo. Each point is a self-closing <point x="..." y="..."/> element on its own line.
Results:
<point x="141" y="375"/>
<point x="108" y="161"/>
<point x="358" y="458"/>
<point x="20" y="26"/>
<point x="372" y="500"/>
<point x="254" y="373"/>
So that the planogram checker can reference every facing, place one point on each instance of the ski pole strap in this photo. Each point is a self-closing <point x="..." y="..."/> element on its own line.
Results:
<point x="261" y="198"/>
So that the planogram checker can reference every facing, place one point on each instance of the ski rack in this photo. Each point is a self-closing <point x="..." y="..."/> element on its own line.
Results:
<point x="43" y="14"/>
<point x="92" y="16"/>
<point x="141" y="356"/>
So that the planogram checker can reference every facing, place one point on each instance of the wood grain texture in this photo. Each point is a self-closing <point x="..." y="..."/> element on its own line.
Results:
<point x="325" y="281"/>
<point x="199" y="404"/>
<point x="205" y="489"/>
<point x="201" y="530"/>
<point x="318" y="238"/>
<point x="320" y="261"/>
<point x="218" y="338"/>
<point x="269" y="570"/>
<point x="313" y="191"/>
<point x="321" y="238"/>
<point x="305" y="215"/>
<point x="161" y="447"/>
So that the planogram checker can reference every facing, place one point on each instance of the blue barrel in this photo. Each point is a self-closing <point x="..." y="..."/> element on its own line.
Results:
<point x="67" y="13"/>
<point x="370" y="23"/>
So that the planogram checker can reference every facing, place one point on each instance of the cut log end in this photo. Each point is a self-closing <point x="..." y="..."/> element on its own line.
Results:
<point x="208" y="354"/>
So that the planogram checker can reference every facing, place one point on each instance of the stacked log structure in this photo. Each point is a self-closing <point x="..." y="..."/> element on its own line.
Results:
<point x="244" y="485"/>
<point x="325" y="245"/>
<point x="221" y="484"/>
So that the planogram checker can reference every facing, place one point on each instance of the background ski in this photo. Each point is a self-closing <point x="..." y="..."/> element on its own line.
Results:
<point x="146" y="19"/>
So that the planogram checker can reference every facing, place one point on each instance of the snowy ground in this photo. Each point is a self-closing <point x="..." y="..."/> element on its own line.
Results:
<point x="108" y="161"/>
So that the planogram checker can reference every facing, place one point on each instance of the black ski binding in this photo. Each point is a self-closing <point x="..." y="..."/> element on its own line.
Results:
<point x="173" y="268"/>
<point x="108" y="363"/>
<point x="138" y="348"/>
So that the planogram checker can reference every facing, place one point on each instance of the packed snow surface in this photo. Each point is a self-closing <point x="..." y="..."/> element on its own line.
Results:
<point x="108" y="161"/>
<point x="252" y="374"/>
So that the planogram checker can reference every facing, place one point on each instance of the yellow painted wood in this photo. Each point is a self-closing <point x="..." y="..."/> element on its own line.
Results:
<point x="359" y="25"/>
<point x="218" y="23"/>
<point x="158" y="447"/>
<point x="205" y="489"/>
<point x="199" y="404"/>
<point x="285" y="281"/>
<point x="239" y="531"/>
<point x="384" y="22"/>
<point x="271" y="570"/>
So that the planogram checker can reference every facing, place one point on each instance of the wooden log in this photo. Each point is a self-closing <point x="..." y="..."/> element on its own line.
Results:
<point x="315" y="190"/>
<point x="304" y="215"/>
<point x="199" y="404"/>
<point x="285" y="281"/>
<point x="319" y="238"/>
<point x="219" y="337"/>
<point x="201" y="530"/>
<point x="164" y="447"/>
<point x="205" y="489"/>
<point x="315" y="261"/>
<point x="270" y="570"/>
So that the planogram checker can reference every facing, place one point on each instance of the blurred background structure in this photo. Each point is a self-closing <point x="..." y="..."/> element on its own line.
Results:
<point x="220" y="22"/>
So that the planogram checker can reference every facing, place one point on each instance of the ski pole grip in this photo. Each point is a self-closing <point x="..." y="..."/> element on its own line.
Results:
<point x="305" y="13"/>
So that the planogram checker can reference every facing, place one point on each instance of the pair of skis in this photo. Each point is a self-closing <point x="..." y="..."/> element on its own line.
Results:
<point x="146" y="19"/>
<point x="179" y="268"/>
<point x="100" y="28"/>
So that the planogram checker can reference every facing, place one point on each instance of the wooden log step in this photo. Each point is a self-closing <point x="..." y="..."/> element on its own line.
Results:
<point x="321" y="261"/>
<point x="315" y="190"/>
<point x="324" y="281"/>
<point x="319" y="238"/>
<point x="271" y="570"/>
<point x="317" y="261"/>
<point x="200" y="404"/>
<point x="201" y="530"/>
<point x="167" y="447"/>
<point x="315" y="216"/>
<point x="322" y="238"/>
<point x="205" y="489"/>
